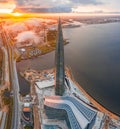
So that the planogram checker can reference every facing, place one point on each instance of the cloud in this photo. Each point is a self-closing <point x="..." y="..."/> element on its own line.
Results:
<point x="56" y="3"/>
<point x="30" y="30"/>
<point x="86" y="2"/>
<point x="28" y="36"/>
<point x="15" y="28"/>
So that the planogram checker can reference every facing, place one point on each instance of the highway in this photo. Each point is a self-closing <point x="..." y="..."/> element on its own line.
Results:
<point x="15" y="86"/>
<point x="13" y="81"/>
<point x="2" y="124"/>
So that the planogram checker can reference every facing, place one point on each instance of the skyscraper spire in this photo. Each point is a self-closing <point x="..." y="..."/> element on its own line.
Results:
<point x="59" y="60"/>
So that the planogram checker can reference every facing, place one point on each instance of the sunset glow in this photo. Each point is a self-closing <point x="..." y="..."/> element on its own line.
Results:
<point x="7" y="7"/>
<point x="17" y="14"/>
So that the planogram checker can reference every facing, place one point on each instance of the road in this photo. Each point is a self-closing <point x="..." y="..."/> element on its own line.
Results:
<point x="15" y="85"/>
<point x="2" y="125"/>
<point x="13" y="80"/>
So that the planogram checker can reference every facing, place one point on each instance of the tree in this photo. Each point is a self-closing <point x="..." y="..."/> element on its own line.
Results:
<point x="28" y="127"/>
<point x="51" y="35"/>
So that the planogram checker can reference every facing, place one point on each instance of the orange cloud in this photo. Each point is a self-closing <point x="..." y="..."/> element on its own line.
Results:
<point x="7" y="7"/>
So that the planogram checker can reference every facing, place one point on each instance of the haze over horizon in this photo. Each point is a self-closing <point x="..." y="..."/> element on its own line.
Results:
<point x="94" y="6"/>
<point x="73" y="5"/>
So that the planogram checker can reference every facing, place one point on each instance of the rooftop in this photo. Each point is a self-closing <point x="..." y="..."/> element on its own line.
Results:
<point x="79" y="114"/>
<point x="45" y="83"/>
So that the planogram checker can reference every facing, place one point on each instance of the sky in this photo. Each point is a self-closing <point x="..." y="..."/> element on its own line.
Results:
<point x="73" y="5"/>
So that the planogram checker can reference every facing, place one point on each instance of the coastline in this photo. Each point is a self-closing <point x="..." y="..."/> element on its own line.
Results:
<point x="44" y="50"/>
<point x="46" y="78"/>
<point x="92" y="100"/>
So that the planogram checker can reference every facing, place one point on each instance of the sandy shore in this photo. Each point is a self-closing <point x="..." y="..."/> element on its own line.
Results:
<point x="94" y="102"/>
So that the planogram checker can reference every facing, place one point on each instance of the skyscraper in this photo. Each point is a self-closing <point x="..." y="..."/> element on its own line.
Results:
<point x="59" y="61"/>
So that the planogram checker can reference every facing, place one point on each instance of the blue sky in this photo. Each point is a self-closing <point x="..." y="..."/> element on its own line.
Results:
<point x="73" y="5"/>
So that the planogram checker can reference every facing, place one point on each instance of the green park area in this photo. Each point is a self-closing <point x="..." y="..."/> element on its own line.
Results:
<point x="51" y="42"/>
<point x="1" y="58"/>
<point x="48" y="45"/>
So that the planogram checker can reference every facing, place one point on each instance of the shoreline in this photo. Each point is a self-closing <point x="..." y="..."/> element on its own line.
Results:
<point x="43" y="51"/>
<point x="90" y="98"/>
<point x="105" y="118"/>
<point x="95" y="103"/>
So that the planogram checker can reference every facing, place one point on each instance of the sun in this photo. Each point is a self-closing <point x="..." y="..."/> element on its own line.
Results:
<point x="17" y="14"/>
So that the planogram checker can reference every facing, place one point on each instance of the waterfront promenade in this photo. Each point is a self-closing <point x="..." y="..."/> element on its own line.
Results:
<point x="91" y="99"/>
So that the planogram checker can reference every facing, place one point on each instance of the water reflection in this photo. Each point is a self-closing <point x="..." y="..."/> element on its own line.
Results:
<point x="94" y="56"/>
